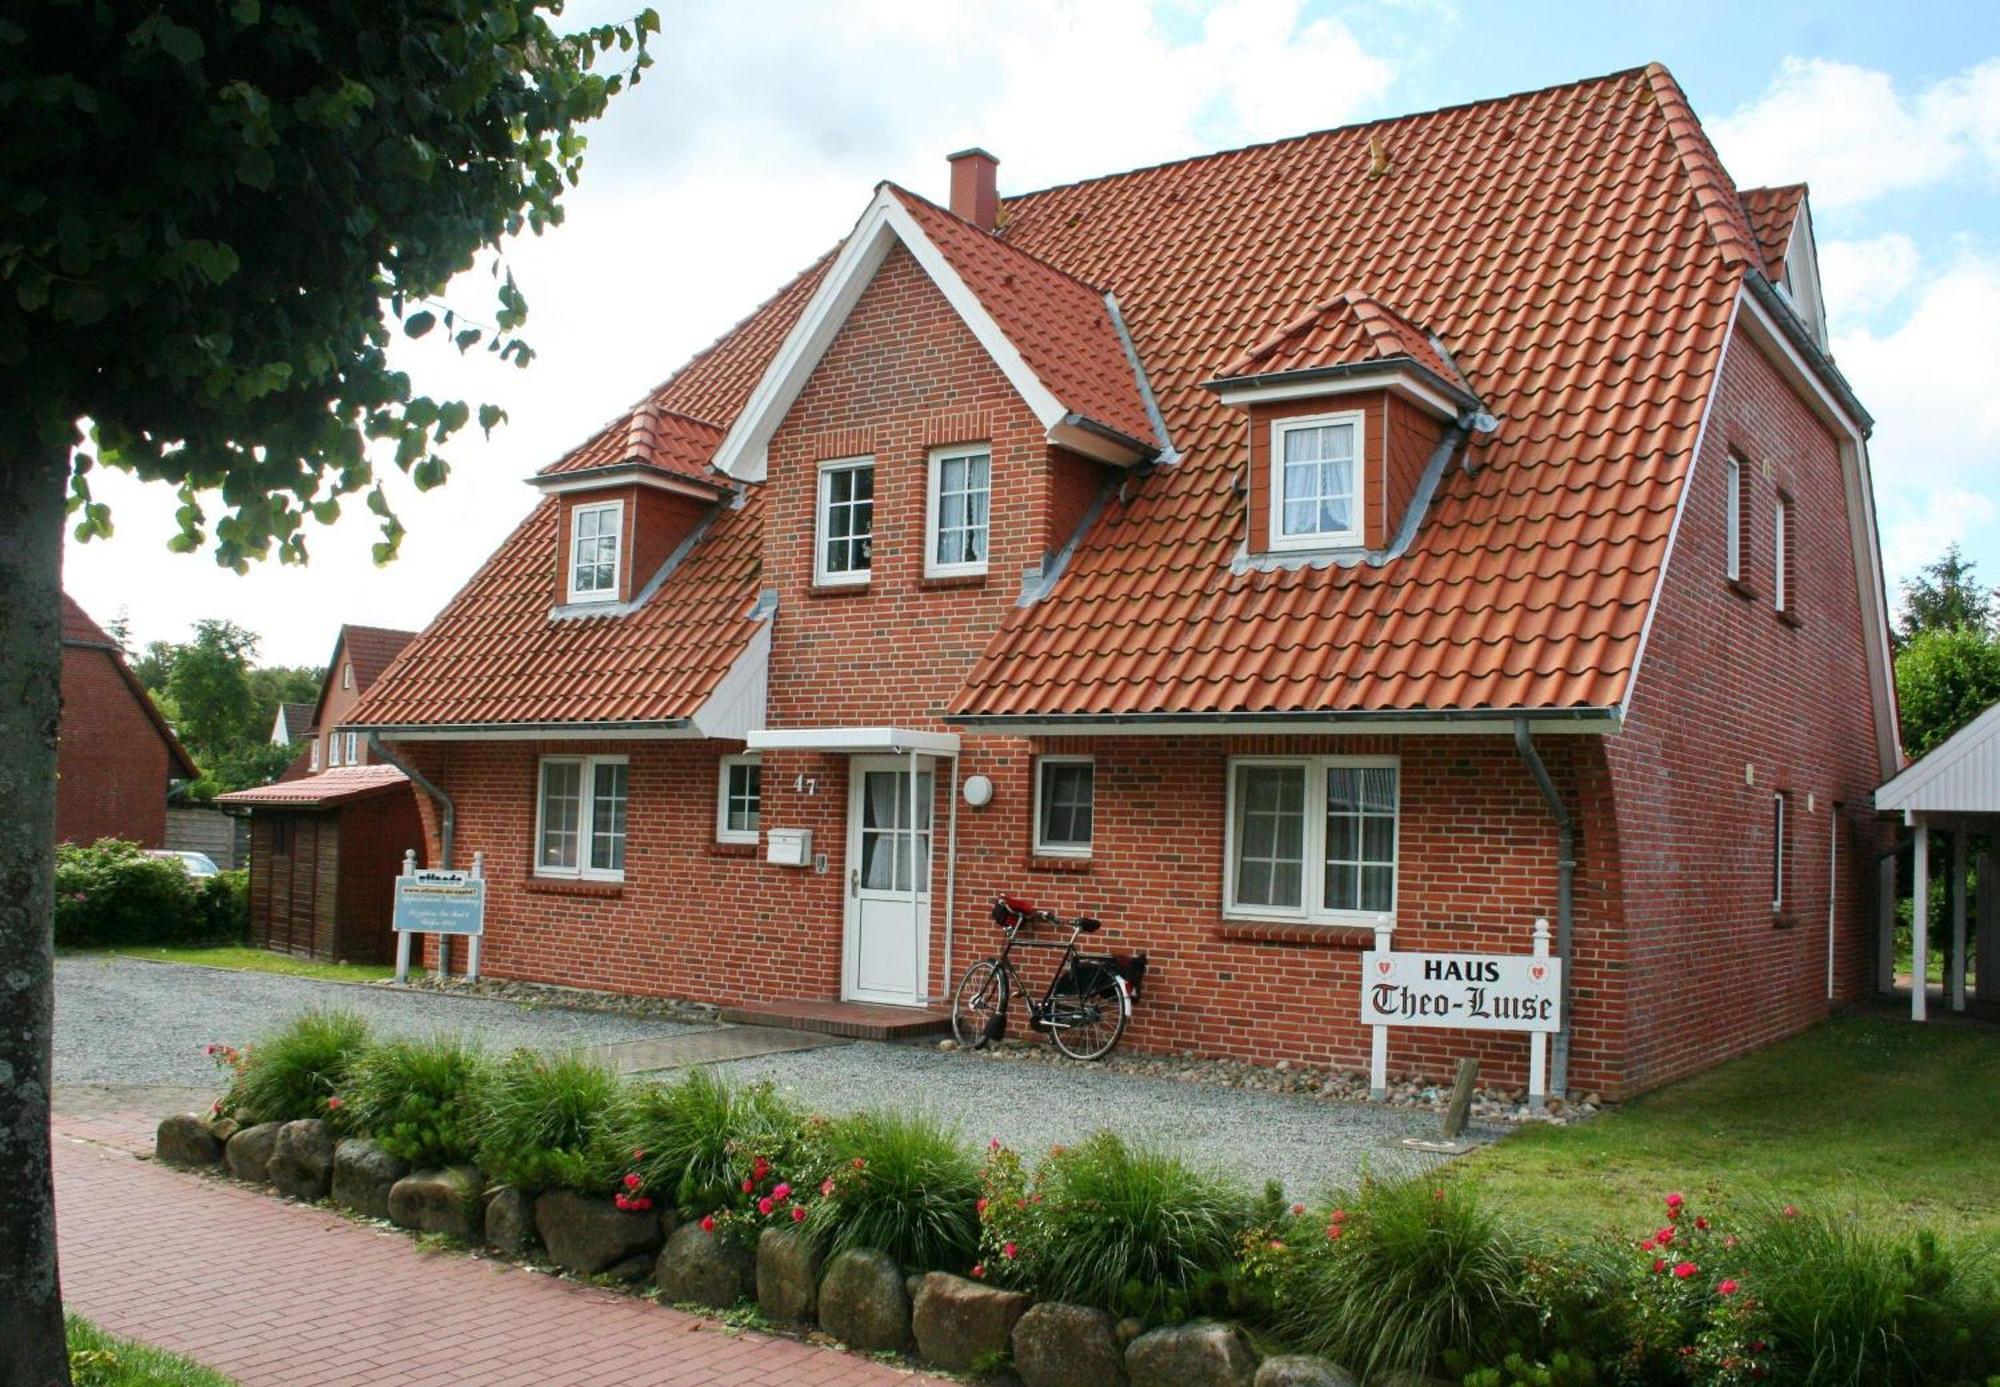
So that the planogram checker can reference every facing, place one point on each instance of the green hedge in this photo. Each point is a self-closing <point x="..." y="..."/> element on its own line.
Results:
<point x="1414" y="1275"/>
<point x="113" y="893"/>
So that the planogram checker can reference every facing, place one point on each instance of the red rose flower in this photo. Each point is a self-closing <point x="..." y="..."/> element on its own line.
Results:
<point x="708" y="1223"/>
<point x="1684" y="1270"/>
<point x="333" y="1103"/>
<point x="783" y="1191"/>
<point x="764" y="1205"/>
<point x="632" y="1182"/>
<point x="826" y="1185"/>
<point x="1298" y="1209"/>
<point x="1727" y="1286"/>
<point x="798" y="1213"/>
<point x="979" y="1271"/>
<point x="1659" y="1264"/>
<point x="1008" y="1251"/>
<point x="749" y="1185"/>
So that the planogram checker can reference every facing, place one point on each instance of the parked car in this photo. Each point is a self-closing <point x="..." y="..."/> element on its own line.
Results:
<point x="198" y="864"/>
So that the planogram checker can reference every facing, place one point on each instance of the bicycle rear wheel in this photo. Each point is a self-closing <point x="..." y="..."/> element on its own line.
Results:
<point x="978" y="1007"/>
<point x="1085" y="1026"/>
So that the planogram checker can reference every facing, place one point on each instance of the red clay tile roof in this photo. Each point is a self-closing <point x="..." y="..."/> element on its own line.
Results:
<point x="79" y="629"/>
<point x="1060" y="325"/>
<point x="1578" y="249"/>
<point x="1773" y="212"/>
<point x="371" y="649"/>
<point x="493" y="656"/>
<point x="652" y="436"/>
<point x="341" y="785"/>
<point x="1348" y="329"/>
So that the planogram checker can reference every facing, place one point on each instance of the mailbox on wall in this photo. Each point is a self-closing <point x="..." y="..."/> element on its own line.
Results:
<point x="788" y="847"/>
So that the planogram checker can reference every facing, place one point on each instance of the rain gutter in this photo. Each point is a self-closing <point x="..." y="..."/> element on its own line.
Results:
<point x="1524" y="743"/>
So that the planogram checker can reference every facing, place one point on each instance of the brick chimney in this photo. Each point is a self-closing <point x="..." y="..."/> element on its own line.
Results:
<point x="975" y="193"/>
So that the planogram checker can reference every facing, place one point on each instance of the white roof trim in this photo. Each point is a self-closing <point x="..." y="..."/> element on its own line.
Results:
<point x="744" y="451"/>
<point x="1978" y="740"/>
<point x="1396" y="379"/>
<point x="619" y="475"/>
<point x="898" y="741"/>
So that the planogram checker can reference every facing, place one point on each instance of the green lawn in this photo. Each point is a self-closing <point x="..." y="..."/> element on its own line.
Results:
<point x="97" y="1359"/>
<point x="260" y="961"/>
<point x="1881" y="1115"/>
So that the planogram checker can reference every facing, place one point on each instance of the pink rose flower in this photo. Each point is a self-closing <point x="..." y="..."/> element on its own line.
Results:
<point x="764" y="1205"/>
<point x="1008" y="1251"/>
<point x="1727" y="1286"/>
<point x="783" y="1191"/>
<point x="798" y="1213"/>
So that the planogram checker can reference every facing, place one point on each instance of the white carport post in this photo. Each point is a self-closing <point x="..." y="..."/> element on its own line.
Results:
<point x="1920" y="921"/>
<point x="1956" y="968"/>
<point x="917" y="920"/>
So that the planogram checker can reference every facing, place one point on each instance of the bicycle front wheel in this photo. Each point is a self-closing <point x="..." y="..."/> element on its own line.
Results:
<point x="978" y="1008"/>
<point x="1086" y="1026"/>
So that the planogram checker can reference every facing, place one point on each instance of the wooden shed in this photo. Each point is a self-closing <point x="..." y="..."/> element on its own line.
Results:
<point x="324" y="854"/>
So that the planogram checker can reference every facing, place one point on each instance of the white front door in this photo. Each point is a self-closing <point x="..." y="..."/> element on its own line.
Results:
<point x="886" y="955"/>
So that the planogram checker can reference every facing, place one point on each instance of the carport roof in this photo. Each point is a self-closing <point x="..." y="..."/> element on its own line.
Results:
<point x="1961" y="775"/>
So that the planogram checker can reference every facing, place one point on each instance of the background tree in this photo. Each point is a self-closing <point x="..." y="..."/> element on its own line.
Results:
<point x="214" y="214"/>
<point x="156" y="665"/>
<point x="210" y="689"/>
<point x="1944" y="596"/>
<point x="1947" y="657"/>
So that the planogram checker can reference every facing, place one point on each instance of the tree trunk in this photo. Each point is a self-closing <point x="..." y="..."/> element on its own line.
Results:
<point x="31" y="534"/>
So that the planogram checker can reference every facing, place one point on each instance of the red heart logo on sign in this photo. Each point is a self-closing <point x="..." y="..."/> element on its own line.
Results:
<point x="1383" y="966"/>
<point x="1538" y="972"/>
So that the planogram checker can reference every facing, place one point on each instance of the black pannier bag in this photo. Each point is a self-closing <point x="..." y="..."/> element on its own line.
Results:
<point x="1095" y="974"/>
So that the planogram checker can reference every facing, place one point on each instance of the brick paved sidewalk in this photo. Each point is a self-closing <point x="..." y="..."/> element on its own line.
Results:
<point x="280" y="1295"/>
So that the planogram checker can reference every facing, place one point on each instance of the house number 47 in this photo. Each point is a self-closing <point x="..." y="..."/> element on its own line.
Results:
<point x="805" y="784"/>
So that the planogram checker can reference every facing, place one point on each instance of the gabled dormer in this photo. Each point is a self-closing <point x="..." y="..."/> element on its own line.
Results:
<point x="1352" y="411"/>
<point x="1782" y="220"/>
<point x="628" y="502"/>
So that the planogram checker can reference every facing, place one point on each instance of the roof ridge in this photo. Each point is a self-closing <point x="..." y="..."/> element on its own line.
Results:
<point x="1578" y="84"/>
<point x="1715" y="192"/>
<point x="1000" y="240"/>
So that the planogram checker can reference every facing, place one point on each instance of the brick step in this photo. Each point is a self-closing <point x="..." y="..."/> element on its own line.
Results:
<point x="854" y="1020"/>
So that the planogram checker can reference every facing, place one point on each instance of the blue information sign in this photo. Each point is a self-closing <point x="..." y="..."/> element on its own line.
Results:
<point x="437" y="902"/>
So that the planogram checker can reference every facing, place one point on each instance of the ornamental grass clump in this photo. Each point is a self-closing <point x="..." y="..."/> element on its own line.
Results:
<point x="421" y="1099"/>
<point x="1844" y="1300"/>
<point x="900" y="1183"/>
<point x="302" y="1069"/>
<point x="552" y="1123"/>
<point x="1128" y="1228"/>
<point x="693" y="1141"/>
<point x="1394" y="1278"/>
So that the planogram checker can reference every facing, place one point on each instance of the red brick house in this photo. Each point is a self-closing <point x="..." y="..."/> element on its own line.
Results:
<point x="1454" y="519"/>
<point x="116" y="758"/>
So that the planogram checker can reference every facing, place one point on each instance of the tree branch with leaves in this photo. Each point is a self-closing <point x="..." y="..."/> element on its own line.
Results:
<point x="215" y="218"/>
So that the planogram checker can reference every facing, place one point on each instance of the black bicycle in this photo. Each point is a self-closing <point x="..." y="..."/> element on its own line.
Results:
<point x="1087" y="1002"/>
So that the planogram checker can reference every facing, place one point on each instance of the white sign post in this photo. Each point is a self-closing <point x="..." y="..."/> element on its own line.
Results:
<point x="1471" y="992"/>
<point x="441" y="903"/>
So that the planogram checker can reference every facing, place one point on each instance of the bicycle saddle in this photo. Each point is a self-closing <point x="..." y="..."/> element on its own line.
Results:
<point x="1087" y="925"/>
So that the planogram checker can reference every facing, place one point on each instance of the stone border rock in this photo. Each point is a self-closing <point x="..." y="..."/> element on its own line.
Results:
<point x="567" y="998"/>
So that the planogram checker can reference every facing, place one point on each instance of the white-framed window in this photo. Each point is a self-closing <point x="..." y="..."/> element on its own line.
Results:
<point x="594" y="534"/>
<point x="1312" y="837"/>
<point x="1778" y="851"/>
<point x="844" y="530"/>
<point x="1065" y="804"/>
<point x="739" y="799"/>
<point x="1316" y="482"/>
<point x="332" y="749"/>
<point x="958" y="511"/>
<point x="1732" y="519"/>
<point x="354" y="748"/>
<point x="315" y="754"/>
<point x="347" y="675"/>
<point x="580" y="817"/>
<point x="1781" y="553"/>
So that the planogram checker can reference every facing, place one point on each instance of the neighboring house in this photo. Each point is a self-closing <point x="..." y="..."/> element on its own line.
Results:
<point x="1354" y="529"/>
<point x="293" y="724"/>
<point x="116" y="757"/>
<point x="327" y="837"/>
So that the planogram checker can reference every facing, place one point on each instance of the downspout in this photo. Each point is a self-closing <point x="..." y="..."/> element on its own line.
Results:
<point x="1524" y="743"/>
<point x="448" y="815"/>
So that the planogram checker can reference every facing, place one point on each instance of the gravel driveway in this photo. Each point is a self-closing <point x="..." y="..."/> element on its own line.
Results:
<point x="1310" y="1144"/>
<point x="126" y="1021"/>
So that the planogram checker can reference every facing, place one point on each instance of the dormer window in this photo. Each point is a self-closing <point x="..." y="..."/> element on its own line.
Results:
<point x="1316" y="482"/>
<point x="594" y="532"/>
<point x="958" y="512"/>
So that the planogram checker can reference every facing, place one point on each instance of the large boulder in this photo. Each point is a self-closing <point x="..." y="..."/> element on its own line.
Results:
<point x="1203" y="1354"/>
<point x="788" y="1265"/>
<point x="510" y="1221"/>
<point x="438" y="1201"/>
<point x="1067" y="1346"/>
<point x="1299" y="1370"/>
<point x="958" y="1323"/>
<point x="185" y="1139"/>
<point x="863" y="1303"/>
<point x="248" y="1154"/>
<point x="698" y="1268"/>
<point x="1410" y="1377"/>
<point x="363" y="1175"/>
<point x="301" y="1163"/>
<point x="588" y="1236"/>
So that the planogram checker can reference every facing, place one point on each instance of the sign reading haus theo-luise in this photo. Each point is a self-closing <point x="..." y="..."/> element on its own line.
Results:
<point x="1475" y="992"/>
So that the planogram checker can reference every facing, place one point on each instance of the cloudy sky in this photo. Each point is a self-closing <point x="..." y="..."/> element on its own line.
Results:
<point x="754" y="142"/>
